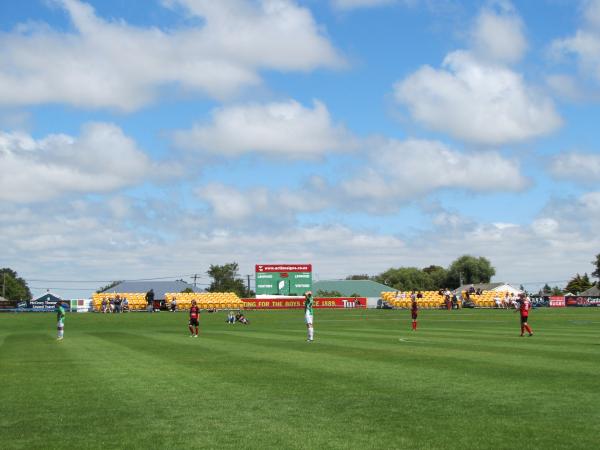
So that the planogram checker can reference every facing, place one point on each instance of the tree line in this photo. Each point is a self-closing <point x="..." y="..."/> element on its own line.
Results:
<point x="466" y="269"/>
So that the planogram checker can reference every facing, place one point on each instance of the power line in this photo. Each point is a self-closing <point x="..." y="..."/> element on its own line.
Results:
<point x="111" y="281"/>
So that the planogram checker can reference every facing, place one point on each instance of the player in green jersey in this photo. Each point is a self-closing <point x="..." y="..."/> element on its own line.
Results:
<point x="60" y="319"/>
<point x="308" y="315"/>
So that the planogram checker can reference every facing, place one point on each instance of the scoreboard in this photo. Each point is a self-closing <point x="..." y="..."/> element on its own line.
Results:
<point x="283" y="279"/>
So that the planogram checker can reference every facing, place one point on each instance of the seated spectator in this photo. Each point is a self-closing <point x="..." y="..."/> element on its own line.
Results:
<point x="242" y="319"/>
<point x="117" y="304"/>
<point x="498" y="301"/>
<point x="104" y="307"/>
<point x="173" y="304"/>
<point x="472" y="289"/>
<point x="478" y="291"/>
<point x="230" y="317"/>
<point x="420" y="294"/>
<point x="111" y="305"/>
<point x="125" y="304"/>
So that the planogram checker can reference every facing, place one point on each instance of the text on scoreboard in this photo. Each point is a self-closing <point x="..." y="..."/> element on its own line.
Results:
<point x="283" y="279"/>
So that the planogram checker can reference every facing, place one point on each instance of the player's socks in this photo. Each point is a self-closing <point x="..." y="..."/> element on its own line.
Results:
<point x="528" y="328"/>
<point x="522" y="329"/>
<point x="191" y="330"/>
<point x="196" y="331"/>
<point x="312" y="334"/>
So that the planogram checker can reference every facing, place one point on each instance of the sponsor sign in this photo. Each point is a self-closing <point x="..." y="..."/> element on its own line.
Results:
<point x="46" y="305"/>
<point x="298" y="303"/>
<point x="582" y="301"/>
<point x="283" y="279"/>
<point x="557" y="302"/>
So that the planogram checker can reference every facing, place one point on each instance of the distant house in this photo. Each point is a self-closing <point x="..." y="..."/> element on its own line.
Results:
<point x="48" y="297"/>
<point x="496" y="287"/>
<point x="594" y="291"/>
<point x="159" y="287"/>
<point x="364" y="288"/>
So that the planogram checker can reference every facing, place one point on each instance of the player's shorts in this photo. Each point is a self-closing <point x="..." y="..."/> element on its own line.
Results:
<point x="414" y="315"/>
<point x="524" y="319"/>
<point x="60" y="324"/>
<point x="194" y="322"/>
<point x="308" y="318"/>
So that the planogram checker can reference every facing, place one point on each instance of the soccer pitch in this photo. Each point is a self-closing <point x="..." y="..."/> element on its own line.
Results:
<point x="465" y="379"/>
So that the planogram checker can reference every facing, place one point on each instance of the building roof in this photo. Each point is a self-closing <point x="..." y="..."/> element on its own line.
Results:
<point x="159" y="287"/>
<point x="364" y="288"/>
<point x="48" y="297"/>
<point x="487" y="287"/>
<point x="594" y="291"/>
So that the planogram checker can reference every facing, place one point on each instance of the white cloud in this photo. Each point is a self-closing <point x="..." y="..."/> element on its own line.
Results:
<point x="395" y="173"/>
<point x="498" y="34"/>
<point x="228" y="203"/>
<point x="275" y="129"/>
<point x="356" y="4"/>
<point x="477" y="101"/>
<point x="113" y="64"/>
<point x="83" y="240"/>
<point x="403" y="170"/>
<point x="585" y="43"/>
<point x="476" y="96"/>
<point x="101" y="159"/>
<point x="577" y="166"/>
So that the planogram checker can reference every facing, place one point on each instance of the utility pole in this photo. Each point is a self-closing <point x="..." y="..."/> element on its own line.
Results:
<point x="195" y="277"/>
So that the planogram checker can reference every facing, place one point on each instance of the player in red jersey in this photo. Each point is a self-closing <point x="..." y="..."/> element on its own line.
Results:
<point x="414" y="311"/>
<point x="524" y="307"/>
<point x="194" y="317"/>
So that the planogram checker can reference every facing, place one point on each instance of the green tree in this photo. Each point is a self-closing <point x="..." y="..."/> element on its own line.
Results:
<point x="405" y="279"/>
<point x="358" y="277"/>
<point x="556" y="291"/>
<point x="438" y="276"/>
<point x="579" y="284"/>
<point x="323" y="293"/>
<point x="596" y="272"/>
<point x="108" y="286"/>
<point x="546" y="290"/>
<point x="471" y="270"/>
<point x="226" y="279"/>
<point x="187" y="290"/>
<point x="13" y="286"/>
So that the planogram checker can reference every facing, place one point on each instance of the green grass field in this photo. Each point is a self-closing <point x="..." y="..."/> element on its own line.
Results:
<point x="465" y="379"/>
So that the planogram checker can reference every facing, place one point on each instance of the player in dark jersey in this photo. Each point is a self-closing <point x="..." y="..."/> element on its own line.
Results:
<point x="414" y="310"/>
<point x="194" y="319"/>
<point x="524" y="307"/>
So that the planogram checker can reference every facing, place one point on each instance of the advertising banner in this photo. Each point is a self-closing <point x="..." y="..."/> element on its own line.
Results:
<point x="298" y="303"/>
<point x="582" y="301"/>
<point x="557" y="302"/>
<point x="42" y="305"/>
<point x="283" y="279"/>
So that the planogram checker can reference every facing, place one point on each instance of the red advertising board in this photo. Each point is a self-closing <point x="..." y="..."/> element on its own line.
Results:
<point x="557" y="302"/>
<point x="298" y="303"/>
<point x="283" y="268"/>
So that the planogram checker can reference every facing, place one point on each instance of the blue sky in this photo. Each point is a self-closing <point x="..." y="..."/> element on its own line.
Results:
<point x="153" y="139"/>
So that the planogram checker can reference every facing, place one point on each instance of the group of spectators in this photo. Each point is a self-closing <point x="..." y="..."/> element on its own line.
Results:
<point x="114" y="305"/>
<point x="507" y="301"/>
<point x="236" y="317"/>
<point x="465" y="298"/>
